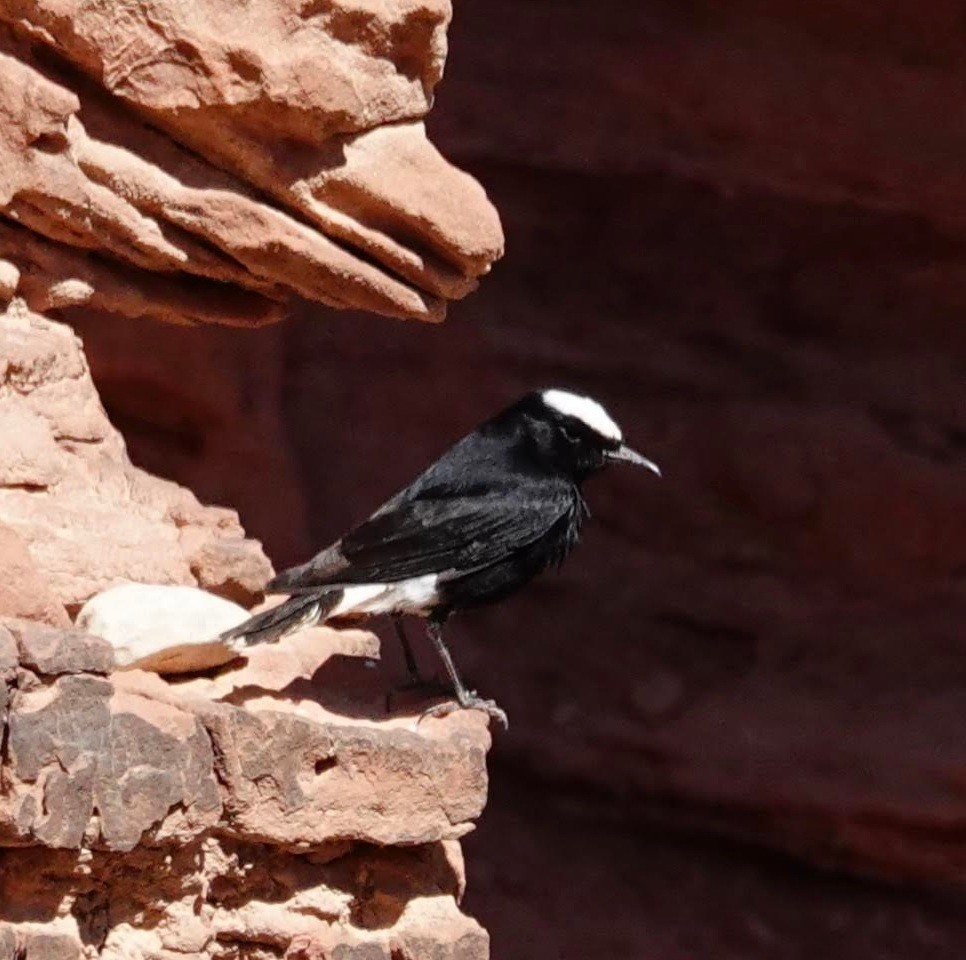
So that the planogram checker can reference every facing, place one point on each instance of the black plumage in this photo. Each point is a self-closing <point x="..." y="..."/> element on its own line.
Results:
<point x="497" y="508"/>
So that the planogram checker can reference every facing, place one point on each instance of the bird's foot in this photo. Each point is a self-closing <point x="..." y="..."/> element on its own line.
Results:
<point x="470" y="702"/>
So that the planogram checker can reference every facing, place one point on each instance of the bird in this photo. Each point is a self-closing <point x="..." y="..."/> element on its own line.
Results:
<point x="497" y="508"/>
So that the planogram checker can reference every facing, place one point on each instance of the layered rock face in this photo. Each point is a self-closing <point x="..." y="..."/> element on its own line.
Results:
<point x="236" y="817"/>
<point x="75" y="515"/>
<point x="223" y="166"/>
<point x="210" y="165"/>
<point x="742" y="230"/>
<point x="273" y="809"/>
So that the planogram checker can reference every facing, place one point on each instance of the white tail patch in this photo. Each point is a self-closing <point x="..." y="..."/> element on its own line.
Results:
<point x="584" y="409"/>
<point x="415" y="596"/>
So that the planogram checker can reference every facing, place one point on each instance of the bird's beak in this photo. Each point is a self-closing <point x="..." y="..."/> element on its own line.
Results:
<point x="624" y="453"/>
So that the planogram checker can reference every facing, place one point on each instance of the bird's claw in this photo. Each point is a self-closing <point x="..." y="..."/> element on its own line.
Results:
<point x="471" y="702"/>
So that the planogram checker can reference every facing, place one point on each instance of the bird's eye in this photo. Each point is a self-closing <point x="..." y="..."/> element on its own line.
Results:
<point x="570" y="435"/>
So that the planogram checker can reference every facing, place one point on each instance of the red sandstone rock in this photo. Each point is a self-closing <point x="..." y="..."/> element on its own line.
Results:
<point x="201" y="425"/>
<point x="365" y="213"/>
<point x="52" y="651"/>
<point x="265" y="817"/>
<point x="23" y="591"/>
<point x="89" y="518"/>
<point x="275" y="809"/>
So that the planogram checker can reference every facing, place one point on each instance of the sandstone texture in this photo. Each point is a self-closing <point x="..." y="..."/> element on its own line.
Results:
<point x="23" y="591"/>
<point x="273" y="808"/>
<point x="742" y="228"/>
<point x="73" y="506"/>
<point x="209" y="166"/>
<point x="140" y="819"/>
<point x="201" y="165"/>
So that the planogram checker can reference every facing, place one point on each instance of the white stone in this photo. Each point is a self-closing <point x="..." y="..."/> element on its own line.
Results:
<point x="68" y="293"/>
<point x="167" y="629"/>
<point x="9" y="280"/>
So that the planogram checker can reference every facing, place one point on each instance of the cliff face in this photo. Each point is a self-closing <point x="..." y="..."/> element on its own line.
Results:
<point x="141" y="819"/>
<point x="205" y="165"/>
<point x="220" y="172"/>
<point x="740" y="228"/>
<point x="73" y="506"/>
<point x="273" y="810"/>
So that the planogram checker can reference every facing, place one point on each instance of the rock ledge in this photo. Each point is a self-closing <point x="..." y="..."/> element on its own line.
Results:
<point x="240" y="813"/>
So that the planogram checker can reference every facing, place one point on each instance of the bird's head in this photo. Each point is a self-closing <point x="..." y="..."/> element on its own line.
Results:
<point x="575" y="434"/>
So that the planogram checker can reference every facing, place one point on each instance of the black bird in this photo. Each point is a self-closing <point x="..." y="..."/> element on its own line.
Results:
<point x="497" y="508"/>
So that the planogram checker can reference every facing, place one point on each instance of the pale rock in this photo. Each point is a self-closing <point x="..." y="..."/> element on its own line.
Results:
<point x="55" y="651"/>
<point x="9" y="278"/>
<point x="89" y="518"/>
<point x="167" y="629"/>
<point x="68" y="293"/>
<point x="9" y="653"/>
<point x="29" y="455"/>
<point x="270" y="668"/>
<point x="23" y="591"/>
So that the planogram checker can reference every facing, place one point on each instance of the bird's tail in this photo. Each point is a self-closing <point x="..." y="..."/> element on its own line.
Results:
<point x="296" y="613"/>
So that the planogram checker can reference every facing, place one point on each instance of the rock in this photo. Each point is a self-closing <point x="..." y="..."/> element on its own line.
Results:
<point x="277" y="808"/>
<point x="167" y="629"/>
<point x="41" y="944"/>
<point x="293" y="780"/>
<point x="68" y="490"/>
<point x="299" y="182"/>
<point x="668" y="93"/>
<point x="32" y="459"/>
<point x="200" y="427"/>
<point x="9" y="278"/>
<point x="323" y="834"/>
<point x="225" y="567"/>
<point x="9" y="660"/>
<point x="362" y="903"/>
<point x="111" y="763"/>
<point x="23" y="591"/>
<point x="53" y="651"/>
<point x="9" y="652"/>
<point x="274" y="667"/>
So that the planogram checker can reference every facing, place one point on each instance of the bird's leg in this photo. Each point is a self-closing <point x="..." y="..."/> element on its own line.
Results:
<point x="435" y="631"/>
<point x="467" y="699"/>
<point x="415" y="680"/>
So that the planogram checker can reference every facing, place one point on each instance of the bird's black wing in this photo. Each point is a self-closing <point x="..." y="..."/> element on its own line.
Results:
<point x="449" y="536"/>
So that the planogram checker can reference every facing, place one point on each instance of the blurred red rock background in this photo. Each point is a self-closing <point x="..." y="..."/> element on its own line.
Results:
<point x="737" y="713"/>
